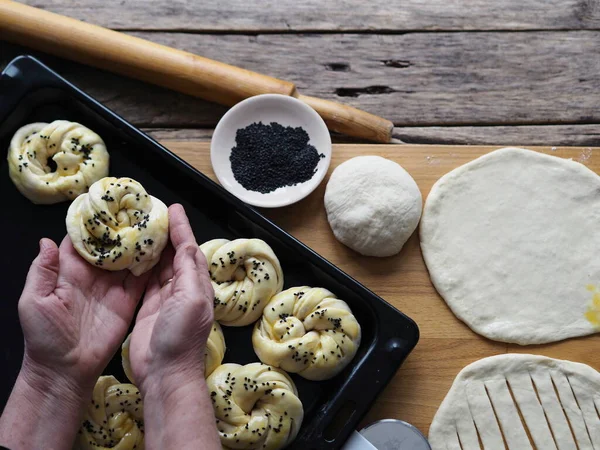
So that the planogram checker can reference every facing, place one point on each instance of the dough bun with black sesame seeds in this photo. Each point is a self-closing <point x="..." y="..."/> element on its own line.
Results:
<point x="114" y="418"/>
<point x="213" y="356"/>
<point x="245" y="274"/>
<point x="308" y="331"/>
<point x="256" y="406"/>
<point x="117" y="225"/>
<point x="215" y="349"/>
<point x="54" y="162"/>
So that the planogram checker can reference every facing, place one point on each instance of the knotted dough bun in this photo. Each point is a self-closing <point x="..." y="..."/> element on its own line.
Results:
<point x="114" y="418"/>
<point x="78" y="154"/>
<point x="245" y="274"/>
<point x="256" y="406"/>
<point x="117" y="226"/>
<point x="213" y="356"/>
<point x="307" y="331"/>
<point x="215" y="349"/>
<point x="373" y="205"/>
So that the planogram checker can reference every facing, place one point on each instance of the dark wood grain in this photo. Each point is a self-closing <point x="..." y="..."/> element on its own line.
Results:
<point x="331" y="15"/>
<point x="554" y="135"/>
<point x="416" y="79"/>
<point x="504" y="87"/>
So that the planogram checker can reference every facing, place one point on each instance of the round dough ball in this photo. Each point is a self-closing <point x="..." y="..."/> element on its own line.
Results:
<point x="53" y="162"/>
<point x="373" y="205"/>
<point x="117" y="226"/>
<point x="502" y="400"/>
<point x="256" y="406"/>
<point x="114" y="418"/>
<point x="213" y="355"/>
<point x="307" y="331"/>
<point x="245" y="274"/>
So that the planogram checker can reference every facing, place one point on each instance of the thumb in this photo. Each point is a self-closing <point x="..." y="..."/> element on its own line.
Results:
<point x="185" y="271"/>
<point x="43" y="273"/>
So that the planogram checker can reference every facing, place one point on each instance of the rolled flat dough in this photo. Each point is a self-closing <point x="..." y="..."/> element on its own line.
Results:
<point x="512" y="244"/>
<point x="520" y="402"/>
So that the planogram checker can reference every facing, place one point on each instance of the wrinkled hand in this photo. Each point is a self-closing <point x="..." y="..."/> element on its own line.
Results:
<point x="169" y="337"/>
<point x="74" y="315"/>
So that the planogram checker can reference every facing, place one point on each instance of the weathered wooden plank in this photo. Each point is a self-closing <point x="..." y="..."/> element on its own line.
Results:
<point x="338" y="15"/>
<point x="553" y="135"/>
<point x="417" y="79"/>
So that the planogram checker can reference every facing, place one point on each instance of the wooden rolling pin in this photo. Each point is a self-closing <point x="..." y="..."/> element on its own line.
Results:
<point x="168" y="67"/>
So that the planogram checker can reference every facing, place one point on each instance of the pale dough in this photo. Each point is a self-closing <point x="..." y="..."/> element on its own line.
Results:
<point x="511" y="242"/>
<point x="213" y="356"/>
<point x="215" y="349"/>
<point x="308" y="331"/>
<point x="503" y="399"/>
<point x="373" y="205"/>
<point x="256" y="406"/>
<point x="114" y="418"/>
<point x="245" y="274"/>
<point x="78" y="154"/>
<point x="117" y="225"/>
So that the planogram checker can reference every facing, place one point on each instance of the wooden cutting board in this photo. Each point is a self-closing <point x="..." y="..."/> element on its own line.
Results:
<point x="446" y="344"/>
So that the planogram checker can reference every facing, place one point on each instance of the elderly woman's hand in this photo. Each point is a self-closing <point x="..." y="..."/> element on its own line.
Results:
<point x="168" y="344"/>
<point x="169" y="337"/>
<point x="74" y="316"/>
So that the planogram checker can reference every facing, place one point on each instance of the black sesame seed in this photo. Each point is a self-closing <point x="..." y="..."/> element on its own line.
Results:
<point x="267" y="157"/>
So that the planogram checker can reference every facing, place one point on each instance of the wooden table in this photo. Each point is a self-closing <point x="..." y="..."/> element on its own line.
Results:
<point x="445" y="72"/>
<point x="446" y="344"/>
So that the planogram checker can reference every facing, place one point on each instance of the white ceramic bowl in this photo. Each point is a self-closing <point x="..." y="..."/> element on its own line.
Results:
<point x="268" y="108"/>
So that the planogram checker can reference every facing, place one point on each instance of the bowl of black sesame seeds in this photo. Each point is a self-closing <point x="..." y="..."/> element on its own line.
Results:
<point x="271" y="150"/>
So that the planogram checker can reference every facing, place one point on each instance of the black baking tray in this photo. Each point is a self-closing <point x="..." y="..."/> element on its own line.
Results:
<point x="31" y="92"/>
